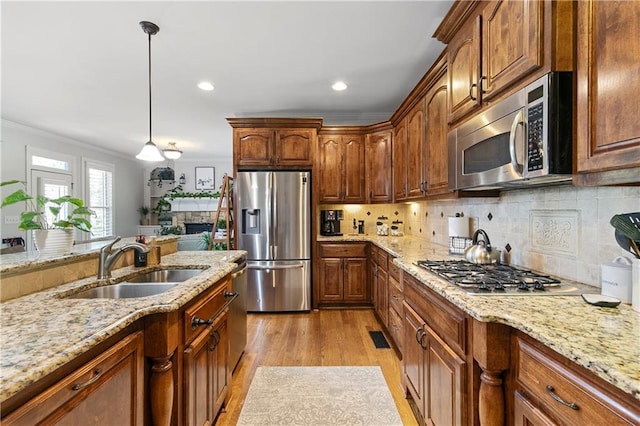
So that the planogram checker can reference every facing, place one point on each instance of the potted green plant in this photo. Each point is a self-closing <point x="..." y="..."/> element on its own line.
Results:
<point x="144" y="212"/>
<point x="52" y="233"/>
<point x="221" y="226"/>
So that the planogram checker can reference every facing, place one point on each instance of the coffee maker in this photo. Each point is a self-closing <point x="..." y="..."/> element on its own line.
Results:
<point x="330" y="222"/>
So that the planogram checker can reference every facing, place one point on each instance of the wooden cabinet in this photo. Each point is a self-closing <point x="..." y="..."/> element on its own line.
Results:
<point x="437" y="161"/>
<point x="400" y="161"/>
<point x="435" y="356"/>
<point x="550" y="386"/>
<point x="274" y="143"/>
<point x="434" y="372"/>
<point x="341" y="167"/>
<point x="494" y="45"/>
<point x="396" y="311"/>
<point x="525" y="414"/>
<point x="206" y="373"/>
<point x="342" y="274"/>
<point x="109" y="389"/>
<point x="380" y="284"/>
<point x="608" y="129"/>
<point x="379" y="169"/>
<point x="206" y="369"/>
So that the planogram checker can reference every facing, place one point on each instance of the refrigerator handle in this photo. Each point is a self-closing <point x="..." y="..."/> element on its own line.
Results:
<point x="272" y="211"/>
<point x="274" y="203"/>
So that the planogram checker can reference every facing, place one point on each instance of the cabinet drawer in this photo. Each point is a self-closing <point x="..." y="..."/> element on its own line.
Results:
<point x="395" y="295"/>
<point x="394" y="271"/>
<point x="449" y="322"/>
<point x="550" y="382"/>
<point x="207" y="306"/>
<point x="342" y="250"/>
<point x="396" y="328"/>
<point x="379" y="256"/>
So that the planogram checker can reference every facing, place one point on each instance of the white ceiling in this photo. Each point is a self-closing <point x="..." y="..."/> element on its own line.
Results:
<point x="79" y="69"/>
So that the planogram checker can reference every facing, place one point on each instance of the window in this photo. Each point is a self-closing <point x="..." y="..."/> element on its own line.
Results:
<point x="99" y="197"/>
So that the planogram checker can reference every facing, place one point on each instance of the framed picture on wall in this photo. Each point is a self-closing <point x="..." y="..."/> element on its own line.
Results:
<point x="205" y="178"/>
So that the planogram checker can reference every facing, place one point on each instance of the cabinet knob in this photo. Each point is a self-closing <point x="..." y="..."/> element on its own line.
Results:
<point x="473" y="98"/>
<point x="480" y="89"/>
<point x="197" y="322"/>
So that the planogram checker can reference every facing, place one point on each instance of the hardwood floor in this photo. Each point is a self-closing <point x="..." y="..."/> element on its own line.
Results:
<point x="325" y="337"/>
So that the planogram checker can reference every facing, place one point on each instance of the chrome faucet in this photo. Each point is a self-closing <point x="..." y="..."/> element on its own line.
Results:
<point x="107" y="258"/>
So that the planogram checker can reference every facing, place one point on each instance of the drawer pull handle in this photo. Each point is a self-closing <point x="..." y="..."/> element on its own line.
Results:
<point x="554" y="395"/>
<point x="96" y="375"/>
<point x="197" y="322"/>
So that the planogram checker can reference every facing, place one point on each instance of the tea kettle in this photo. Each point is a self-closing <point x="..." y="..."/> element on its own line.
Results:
<point x="481" y="251"/>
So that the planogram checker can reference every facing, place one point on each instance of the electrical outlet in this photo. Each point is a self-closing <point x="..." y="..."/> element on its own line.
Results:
<point x="11" y="219"/>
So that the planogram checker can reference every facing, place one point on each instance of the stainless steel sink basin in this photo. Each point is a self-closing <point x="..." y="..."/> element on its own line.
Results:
<point x="143" y="285"/>
<point x="123" y="291"/>
<point x="166" y="276"/>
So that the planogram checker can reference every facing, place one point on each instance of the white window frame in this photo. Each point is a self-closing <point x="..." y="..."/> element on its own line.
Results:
<point x="107" y="167"/>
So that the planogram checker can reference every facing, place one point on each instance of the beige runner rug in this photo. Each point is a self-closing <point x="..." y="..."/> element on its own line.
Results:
<point x="319" y="396"/>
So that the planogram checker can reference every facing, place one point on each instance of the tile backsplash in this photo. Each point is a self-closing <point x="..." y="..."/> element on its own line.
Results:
<point x="561" y="230"/>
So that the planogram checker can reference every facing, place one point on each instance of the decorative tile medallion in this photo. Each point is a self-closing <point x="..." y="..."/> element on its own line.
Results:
<point x="554" y="231"/>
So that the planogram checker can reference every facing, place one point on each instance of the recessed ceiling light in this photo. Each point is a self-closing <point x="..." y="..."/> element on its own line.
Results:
<point x="205" y="85"/>
<point x="339" y="86"/>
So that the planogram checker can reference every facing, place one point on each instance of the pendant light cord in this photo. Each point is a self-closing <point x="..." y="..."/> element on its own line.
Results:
<point x="150" y="139"/>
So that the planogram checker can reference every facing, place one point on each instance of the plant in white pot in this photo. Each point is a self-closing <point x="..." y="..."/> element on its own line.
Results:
<point x="52" y="233"/>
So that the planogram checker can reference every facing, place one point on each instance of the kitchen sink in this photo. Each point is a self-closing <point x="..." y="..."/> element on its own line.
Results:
<point x="124" y="290"/>
<point x="143" y="285"/>
<point x="165" y="276"/>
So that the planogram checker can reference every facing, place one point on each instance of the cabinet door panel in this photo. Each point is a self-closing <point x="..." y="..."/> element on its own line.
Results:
<point x="331" y="279"/>
<point x="608" y="128"/>
<point x="512" y="43"/>
<point x="198" y="372"/>
<point x="400" y="161"/>
<point x="382" y="306"/>
<point x="355" y="280"/>
<point x="221" y="373"/>
<point x="436" y="139"/>
<point x="379" y="163"/>
<point x="294" y="147"/>
<point x="107" y="390"/>
<point x="353" y="169"/>
<point x="415" y="157"/>
<point x="253" y="147"/>
<point x="444" y="383"/>
<point x="330" y="168"/>
<point x="462" y="65"/>
<point x="525" y="414"/>
<point x="412" y="356"/>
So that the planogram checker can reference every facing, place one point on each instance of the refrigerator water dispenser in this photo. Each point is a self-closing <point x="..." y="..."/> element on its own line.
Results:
<point x="251" y="221"/>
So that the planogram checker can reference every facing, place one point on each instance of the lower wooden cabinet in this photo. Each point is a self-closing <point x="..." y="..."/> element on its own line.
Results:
<point x="525" y="414"/>
<point x="436" y="375"/>
<point x="108" y="390"/>
<point x="206" y="373"/>
<point x="564" y="393"/>
<point x="395" y="323"/>
<point x="342" y="274"/>
<point x="380" y="284"/>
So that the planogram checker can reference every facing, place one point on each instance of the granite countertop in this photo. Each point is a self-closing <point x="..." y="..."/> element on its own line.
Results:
<point x="606" y="341"/>
<point x="43" y="331"/>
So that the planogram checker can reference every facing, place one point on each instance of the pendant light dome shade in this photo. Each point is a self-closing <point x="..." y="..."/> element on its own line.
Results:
<point x="150" y="151"/>
<point x="172" y="153"/>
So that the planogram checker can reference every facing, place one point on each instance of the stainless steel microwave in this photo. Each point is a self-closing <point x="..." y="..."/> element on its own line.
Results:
<point x="523" y="140"/>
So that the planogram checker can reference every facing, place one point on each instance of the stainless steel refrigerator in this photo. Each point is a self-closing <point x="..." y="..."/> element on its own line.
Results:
<point x="275" y="230"/>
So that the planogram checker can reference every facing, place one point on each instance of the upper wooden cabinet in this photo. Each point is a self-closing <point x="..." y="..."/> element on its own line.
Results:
<point x="415" y="151"/>
<point x="274" y="142"/>
<point x="341" y="167"/>
<point x="400" y="161"/>
<point x="437" y="164"/>
<point x="494" y="45"/>
<point x="379" y="149"/>
<point x="608" y="129"/>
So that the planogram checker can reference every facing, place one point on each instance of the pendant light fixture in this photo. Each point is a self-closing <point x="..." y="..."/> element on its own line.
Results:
<point x="150" y="151"/>
<point x="172" y="153"/>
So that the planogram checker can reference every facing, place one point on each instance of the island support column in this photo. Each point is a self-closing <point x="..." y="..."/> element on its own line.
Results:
<point x="491" y="350"/>
<point x="161" y="340"/>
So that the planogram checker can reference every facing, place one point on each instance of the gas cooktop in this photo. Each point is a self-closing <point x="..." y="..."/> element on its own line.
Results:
<point x="497" y="280"/>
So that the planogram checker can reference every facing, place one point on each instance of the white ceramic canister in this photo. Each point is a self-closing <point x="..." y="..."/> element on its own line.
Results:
<point x="615" y="279"/>
<point x="635" y="283"/>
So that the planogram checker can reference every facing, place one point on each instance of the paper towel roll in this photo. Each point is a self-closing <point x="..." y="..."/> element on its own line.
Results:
<point x="459" y="227"/>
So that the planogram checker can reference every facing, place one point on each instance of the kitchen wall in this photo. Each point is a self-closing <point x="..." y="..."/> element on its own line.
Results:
<point x="221" y="166"/>
<point x="561" y="230"/>
<point x="127" y="190"/>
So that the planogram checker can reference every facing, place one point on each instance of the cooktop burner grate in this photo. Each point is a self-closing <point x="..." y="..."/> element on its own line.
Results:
<point x="494" y="279"/>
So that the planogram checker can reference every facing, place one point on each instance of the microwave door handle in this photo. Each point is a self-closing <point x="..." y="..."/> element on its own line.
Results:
<point x="517" y="121"/>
